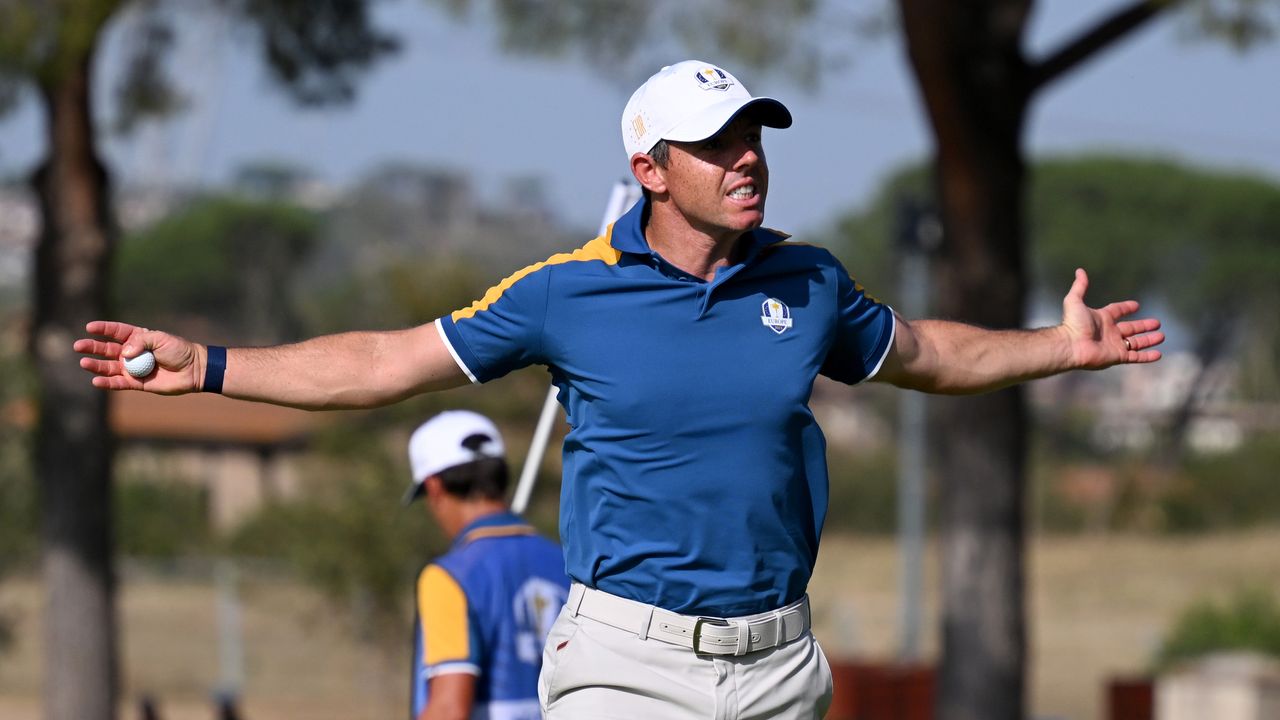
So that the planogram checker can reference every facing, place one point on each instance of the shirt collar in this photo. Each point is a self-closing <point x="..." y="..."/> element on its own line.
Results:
<point x="495" y="520"/>
<point x="628" y="233"/>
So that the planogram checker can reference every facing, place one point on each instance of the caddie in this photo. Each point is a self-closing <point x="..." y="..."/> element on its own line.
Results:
<point x="684" y="342"/>
<point x="483" y="609"/>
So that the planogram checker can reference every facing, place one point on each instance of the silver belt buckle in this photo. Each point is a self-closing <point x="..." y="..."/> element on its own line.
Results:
<point x="697" y="632"/>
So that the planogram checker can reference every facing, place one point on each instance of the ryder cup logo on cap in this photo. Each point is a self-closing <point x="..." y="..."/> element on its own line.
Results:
<point x="689" y="101"/>
<point x="452" y="438"/>
<point x="714" y="79"/>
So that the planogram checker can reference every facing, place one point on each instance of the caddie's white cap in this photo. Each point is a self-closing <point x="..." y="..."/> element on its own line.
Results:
<point x="452" y="438"/>
<point x="688" y="101"/>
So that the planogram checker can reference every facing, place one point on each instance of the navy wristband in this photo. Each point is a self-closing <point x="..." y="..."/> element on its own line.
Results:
<point x="215" y="365"/>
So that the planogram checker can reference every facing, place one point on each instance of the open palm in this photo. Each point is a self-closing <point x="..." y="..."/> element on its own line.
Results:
<point x="1100" y="337"/>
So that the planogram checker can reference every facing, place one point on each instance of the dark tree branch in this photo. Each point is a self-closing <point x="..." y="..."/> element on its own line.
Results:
<point x="1094" y="40"/>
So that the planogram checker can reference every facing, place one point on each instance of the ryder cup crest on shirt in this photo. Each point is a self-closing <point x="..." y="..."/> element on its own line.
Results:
<point x="688" y="101"/>
<point x="775" y="315"/>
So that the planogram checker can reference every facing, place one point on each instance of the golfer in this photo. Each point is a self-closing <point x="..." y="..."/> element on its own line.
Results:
<point x="484" y="608"/>
<point x="684" y="342"/>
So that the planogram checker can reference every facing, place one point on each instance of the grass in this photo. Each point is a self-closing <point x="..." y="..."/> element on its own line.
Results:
<point x="1099" y="607"/>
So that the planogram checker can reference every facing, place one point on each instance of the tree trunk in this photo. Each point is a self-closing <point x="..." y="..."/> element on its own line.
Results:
<point x="73" y="449"/>
<point x="972" y="78"/>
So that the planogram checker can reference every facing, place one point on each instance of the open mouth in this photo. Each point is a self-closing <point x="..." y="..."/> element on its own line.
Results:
<point x="746" y="192"/>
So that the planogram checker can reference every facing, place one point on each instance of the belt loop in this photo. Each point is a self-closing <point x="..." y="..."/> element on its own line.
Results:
<point x="575" y="602"/>
<point x="781" y="637"/>
<point x="643" y="631"/>
<point x="744" y="637"/>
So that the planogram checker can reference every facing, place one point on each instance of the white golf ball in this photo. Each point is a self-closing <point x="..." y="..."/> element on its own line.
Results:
<point x="142" y="365"/>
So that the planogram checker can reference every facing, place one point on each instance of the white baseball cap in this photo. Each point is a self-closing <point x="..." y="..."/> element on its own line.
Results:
<point x="688" y="101"/>
<point x="452" y="438"/>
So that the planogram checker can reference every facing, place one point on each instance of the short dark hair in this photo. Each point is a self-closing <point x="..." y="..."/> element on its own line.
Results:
<point x="485" y="478"/>
<point x="661" y="153"/>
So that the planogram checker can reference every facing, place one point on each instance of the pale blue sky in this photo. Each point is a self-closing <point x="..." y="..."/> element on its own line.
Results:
<point x="449" y="98"/>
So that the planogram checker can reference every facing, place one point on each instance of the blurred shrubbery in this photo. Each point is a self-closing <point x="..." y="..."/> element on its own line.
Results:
<point x="1249" y="620"/>
<point x="17" y="518"/>
<point x="18" y="536"/>
<point x="161" y="519"/>
<point x="348" y="534"/>
<point x="1219" y="492"/>
<point x="1213" y="492"/>
<point x="864" y="492"/>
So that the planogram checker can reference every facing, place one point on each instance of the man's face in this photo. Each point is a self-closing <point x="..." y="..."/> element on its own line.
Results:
<point x="719" y="184"/>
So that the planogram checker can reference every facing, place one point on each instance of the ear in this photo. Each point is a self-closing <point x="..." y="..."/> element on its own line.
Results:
<point x="648" y="174"/>
<point x="433" y="487"/>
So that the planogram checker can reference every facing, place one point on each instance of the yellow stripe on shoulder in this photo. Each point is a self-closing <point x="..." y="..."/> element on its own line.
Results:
<point x="857" y="287"/>
<point x="599" y="249"/>
<point x="442" y="608"/>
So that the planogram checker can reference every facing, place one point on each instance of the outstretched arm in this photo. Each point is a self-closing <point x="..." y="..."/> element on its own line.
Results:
<point x="349" y="370"/>
<point x="954" y="358"/>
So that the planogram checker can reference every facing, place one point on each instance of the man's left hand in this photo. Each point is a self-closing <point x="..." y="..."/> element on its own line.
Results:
<point x="1100" y="338"/>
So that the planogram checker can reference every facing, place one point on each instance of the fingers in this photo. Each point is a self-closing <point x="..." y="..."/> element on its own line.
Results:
<point x="106" y="356"/>
<point x="1129" y="328"/>
<point x="102" y="348"/>
<point x="1135" y="357"/>
<point x="1144" y="341"/>
<point x="130" y="340"/>
<point x="116" y="382"/>
<point x="1117" y="310"/>
<point x="101" y="367"/>
<point x="110" y="374"/>
<point x="1078" y="287"/>
<point x="117" y="331"/>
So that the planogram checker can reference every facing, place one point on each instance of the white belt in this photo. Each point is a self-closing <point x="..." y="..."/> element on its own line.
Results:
<point x="704" y="635"/>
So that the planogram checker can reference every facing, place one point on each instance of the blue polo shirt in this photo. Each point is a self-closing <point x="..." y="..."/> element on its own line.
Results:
<point x="484" y="608"/>
<point x="695" y="476"/>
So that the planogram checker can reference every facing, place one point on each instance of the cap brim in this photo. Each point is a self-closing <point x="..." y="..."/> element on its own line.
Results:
<point x="414" y="492"/>
<point x="768" y="111"/>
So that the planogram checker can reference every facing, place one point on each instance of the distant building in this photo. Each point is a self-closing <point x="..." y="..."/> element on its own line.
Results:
<point x="1225" y="686"/>
<point x="241" y="453"/>
<point x="1134" y="402"/>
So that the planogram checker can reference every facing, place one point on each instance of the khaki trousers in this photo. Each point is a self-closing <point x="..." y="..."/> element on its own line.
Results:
<point x="593" y="671"/>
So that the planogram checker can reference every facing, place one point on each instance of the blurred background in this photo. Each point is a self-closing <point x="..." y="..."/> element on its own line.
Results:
<point x="253" y="172"/>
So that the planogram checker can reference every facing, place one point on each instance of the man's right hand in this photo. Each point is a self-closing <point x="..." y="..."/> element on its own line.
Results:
<point x="179" y="362"/>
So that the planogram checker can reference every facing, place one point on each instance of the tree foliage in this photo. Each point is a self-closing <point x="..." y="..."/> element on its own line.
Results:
<point x="223" y="257"/>
<point x="161" y="518"/>
<point x="639" y="37"/>
<point x="1200" y="241"/>
<point x="316" y="49"/>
